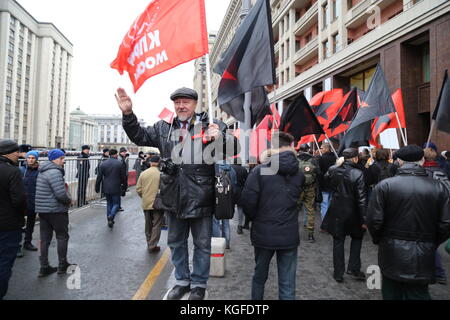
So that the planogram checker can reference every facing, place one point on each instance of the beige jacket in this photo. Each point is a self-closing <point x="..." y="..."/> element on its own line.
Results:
<point x="147" y="187"/>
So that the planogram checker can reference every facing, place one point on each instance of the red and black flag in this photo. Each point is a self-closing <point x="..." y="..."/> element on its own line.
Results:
<point x="299" y="120"/>
<point x="376" y="103"/>
<point x="345" y="114"/>
<point x="442" y="112"/>
<point x="326" y="104"/>
<point x="248" y="64"/>
<point x="389" y="121"/>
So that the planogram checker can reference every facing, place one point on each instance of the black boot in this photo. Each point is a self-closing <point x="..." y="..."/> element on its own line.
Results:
<point x="29" y="246"/>
<point x="63" y="266"/>
<point x="311" y="237"/>
<point x="46" y="271"/>
<point x="178" y="292"/>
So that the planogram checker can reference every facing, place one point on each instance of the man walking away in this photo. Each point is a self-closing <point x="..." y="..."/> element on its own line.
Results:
<point x="408" y="217"/>
<point x="52" y="205"/>
<point x="83" y="167"/>
<point x="12" y="210"/>
<point x="138" y="164"/>
<point x="270" y="202"/>
<point x="29" y="174"/>
<point x="110" y="180"/>
<point x="346" y="215"/>
<point x="123" y="159"/>
<point x="311" y="170"/>
<point x="147" y="188"/>
<point x="241" y="177"/>
<point x="326" y="160"/>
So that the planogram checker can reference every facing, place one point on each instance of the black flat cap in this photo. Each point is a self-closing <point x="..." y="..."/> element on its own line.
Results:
<point x="184" y="93"/>
<point x="8" y="146"/>
<point x="25" y="148"/>
<point x="155" y="159"/>
<point x="85" y="147"/>
<point x="350" y="153"/>
<point x="304" y="147"/>
<point x="411" y="153"/>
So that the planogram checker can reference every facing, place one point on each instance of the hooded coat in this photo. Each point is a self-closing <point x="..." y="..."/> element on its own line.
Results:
<point x="270" y="202"/>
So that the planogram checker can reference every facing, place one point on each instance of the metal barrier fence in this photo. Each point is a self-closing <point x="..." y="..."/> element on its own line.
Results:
<point x="81" y="183"/>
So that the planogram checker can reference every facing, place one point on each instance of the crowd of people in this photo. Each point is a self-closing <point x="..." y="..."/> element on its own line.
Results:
<point x="401" y="199"/>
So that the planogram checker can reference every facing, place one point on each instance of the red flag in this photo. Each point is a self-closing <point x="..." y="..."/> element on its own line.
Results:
<point x="167" y="34"/>
<point x="326" y="105"/>
<point x="167" y="116"/>
<point x="389" y="121"/>
<point x="261" y="136"/>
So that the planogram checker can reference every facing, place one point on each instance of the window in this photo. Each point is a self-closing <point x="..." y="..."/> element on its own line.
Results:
<point x="8" y="86"/>
<point x="10" y="60"/>
<point x="326" y="49"/>
<point x="426" y="63"/>
<point x="326" y="15"/>
<point x="308" y="37"/>
<point x="336" y="43"/>
<point x="11" y="46"/>
<point x="336" y="9"/>
<point x="362" y="80"/>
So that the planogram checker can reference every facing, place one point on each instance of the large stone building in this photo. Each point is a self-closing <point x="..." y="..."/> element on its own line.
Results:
<point x="35" y="72"/>
<point x="326" y="44"/>
<point x="112" y="134"/>
<point x="83" y="131"/>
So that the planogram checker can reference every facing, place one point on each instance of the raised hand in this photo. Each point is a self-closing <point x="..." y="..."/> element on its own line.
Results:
<point x="124" y="102"/>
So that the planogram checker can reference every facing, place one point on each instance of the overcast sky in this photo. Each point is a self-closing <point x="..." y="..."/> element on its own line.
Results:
<point x="96" y="29"/>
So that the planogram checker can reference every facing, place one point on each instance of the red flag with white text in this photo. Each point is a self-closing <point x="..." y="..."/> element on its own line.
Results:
<point x="168" y="33"/>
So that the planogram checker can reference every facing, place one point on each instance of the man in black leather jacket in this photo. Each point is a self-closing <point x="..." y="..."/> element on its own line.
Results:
<point x="189" y="191"/>
<point x="408" y="217"/>
<point x="346" y="215"/>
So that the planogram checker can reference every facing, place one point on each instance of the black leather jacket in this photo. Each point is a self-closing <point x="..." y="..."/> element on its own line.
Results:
<point x="191" y="190"/>
<point x="347" y="211"/>
<point x="409" y="217"/>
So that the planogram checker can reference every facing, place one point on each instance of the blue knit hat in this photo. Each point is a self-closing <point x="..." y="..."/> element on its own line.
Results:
<point x="33" y="153"/>
<point x="55" y="154"/>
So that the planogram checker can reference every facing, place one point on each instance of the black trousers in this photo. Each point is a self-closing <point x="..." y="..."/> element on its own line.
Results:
<point x="58" y="223"/>
<point x="354" y="261"/>
<point x="82" y="186"/>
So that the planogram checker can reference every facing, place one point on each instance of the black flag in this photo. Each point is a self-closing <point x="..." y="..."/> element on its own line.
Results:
<point x="248" y="64"/>
<point x="442" y="112"/>
<point x="299" y="120"/>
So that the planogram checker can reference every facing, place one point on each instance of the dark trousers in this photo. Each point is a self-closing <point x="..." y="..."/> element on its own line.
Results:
<point x="112" y="205"/>
<point x="82" y="186"/>
<point x="31" y="220"/>
<point x="354" y="261"/>
<point x="58" y="223"/>
<point x="9" y="245"/>
<point x="287" y="266"/>
<point x="394" y="290"/>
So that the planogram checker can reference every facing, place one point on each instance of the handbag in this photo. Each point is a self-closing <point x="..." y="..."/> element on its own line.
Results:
<point x="224" y="206"/>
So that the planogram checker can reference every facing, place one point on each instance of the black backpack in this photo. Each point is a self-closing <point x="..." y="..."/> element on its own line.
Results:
<point x="224" y="207"/>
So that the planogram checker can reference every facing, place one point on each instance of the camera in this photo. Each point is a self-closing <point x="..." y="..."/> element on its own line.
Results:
<point x="168" y="167"/>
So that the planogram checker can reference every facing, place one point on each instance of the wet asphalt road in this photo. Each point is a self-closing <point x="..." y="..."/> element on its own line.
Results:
<point x="114" y="264"/>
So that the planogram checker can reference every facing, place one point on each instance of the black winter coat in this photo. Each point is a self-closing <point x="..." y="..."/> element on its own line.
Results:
<point x="111" y="177"/>
<point x="13" y="201"/>
<point x="83" y="166"/>
<point x="30" y="175"/>
<point x="409" y="217"/>
<point x="241" y="174"/>
<point x="326" y="161"/>
<point x="380" y="170"/>
<point x="270" y="202"/>
<point x="347" y="210"/>
<point x="194" y="195"/>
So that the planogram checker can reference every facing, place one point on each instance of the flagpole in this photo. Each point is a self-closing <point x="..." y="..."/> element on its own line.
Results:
<point x="401" y="131"/>
<point x="332" y="147"/>
<point x="433" y="124"/>
<point x="317" y="144"/>
<point x="208" y="81"/>
<point x="246" y="6"/>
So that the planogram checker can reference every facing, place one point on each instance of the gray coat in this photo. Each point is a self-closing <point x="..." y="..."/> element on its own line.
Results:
<point x="51" y="194"/>
<point x="112" y="176"/>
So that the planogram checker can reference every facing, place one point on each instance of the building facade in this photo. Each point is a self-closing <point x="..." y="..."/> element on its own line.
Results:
<point x="83" y="131"/>
<point x="111" y="133"/>
<point x="35" y="73"/>
<point x="326" y="44"/>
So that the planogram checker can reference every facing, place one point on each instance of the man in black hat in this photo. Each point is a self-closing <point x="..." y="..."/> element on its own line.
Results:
<point x="188" y="141"/>
<point x="83" y="166"/>
<point x="12" y="210"/>
<point x="346" y="215"/>
<point x="408" y="217"/>
<point x="23" y="150"/>
<point x="124" y="159"/>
